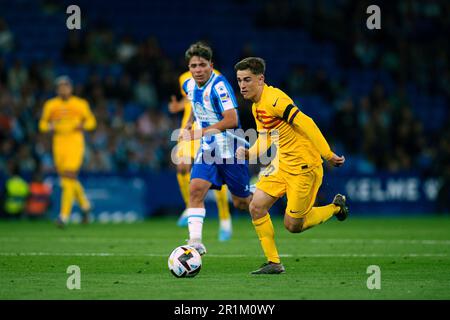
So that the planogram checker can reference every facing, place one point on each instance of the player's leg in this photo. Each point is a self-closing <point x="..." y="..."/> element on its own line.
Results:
<point x="61" y="157"/>
<point x="186" y="150"/>
<point x="83" y="201"/>
<point x="259" y="210"/>
<point x="67" y="198"/>
<point x="72" y="166"/>
<point x="203" y="177"/>
<point x="223" y="208"/>
<point x="301" y="193"/>
<point x="268" y="190"/>
<point x="196" y="212"/>
<point x="183" y="177"/>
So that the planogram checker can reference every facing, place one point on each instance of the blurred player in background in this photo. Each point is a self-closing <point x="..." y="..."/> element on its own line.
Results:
<point x="298" y="172"/>
<point x="214" y="106"/>
<point x="186" y="152"/>
<point x="66" y="117"/>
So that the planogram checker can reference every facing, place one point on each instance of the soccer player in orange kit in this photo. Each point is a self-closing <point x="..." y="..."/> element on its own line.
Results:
<point x="67" y="117"/>
<point x="297" y="170"/>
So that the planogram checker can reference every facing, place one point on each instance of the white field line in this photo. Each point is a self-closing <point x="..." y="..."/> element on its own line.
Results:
<point x="312" y="240"/>
<point x="318" y="255"/>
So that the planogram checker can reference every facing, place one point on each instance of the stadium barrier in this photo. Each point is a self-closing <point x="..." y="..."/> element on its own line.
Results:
<point x="132" y="196"/>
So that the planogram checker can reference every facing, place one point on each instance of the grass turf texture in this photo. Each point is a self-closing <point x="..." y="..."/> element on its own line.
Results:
<point x="129" y="261"/>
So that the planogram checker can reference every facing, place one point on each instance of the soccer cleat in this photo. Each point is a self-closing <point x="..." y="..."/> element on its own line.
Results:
<point x="183" y="219"/>
<point x="270" y="268"/>
<point x="60" y="223"/>
<point x="339" y="200"/>
<point x="197" y="245"/>
<point x="86" y="214"/>
<point x="224" y="234"/>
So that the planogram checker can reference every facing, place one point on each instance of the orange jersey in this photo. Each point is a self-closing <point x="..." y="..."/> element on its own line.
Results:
<point x="66" y="116"/>
<point x="298" y="140"/>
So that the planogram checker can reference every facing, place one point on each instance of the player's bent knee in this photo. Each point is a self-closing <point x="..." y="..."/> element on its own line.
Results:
<point x="293" y="225"/>
<point x="240" y="204"/>
<point x="257" y="211"/>
<point x="294" y="228"/>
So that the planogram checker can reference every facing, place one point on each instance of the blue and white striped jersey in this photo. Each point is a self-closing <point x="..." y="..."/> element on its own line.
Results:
<point x="208" y="104"/>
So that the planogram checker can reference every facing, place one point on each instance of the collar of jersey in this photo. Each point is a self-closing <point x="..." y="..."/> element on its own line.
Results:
<point x="207" y="82"/>
<point x="262" y="94"/>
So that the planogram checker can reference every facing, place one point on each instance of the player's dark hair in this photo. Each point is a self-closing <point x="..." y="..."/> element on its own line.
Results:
<point x="256" y="65"/>
<point x="198" y="49"/>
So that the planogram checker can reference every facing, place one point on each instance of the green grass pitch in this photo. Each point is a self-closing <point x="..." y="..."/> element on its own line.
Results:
<point x="129" y="261"/>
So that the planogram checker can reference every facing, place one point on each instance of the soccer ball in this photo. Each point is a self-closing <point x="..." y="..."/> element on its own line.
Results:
<point x="185" y="261"/>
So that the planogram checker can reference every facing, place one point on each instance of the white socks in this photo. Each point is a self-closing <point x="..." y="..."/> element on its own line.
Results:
<point x="195" y="222"/>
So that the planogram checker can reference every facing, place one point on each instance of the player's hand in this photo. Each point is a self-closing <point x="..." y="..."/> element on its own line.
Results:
<point x="185" y="135"/>
<point x="80" y="126"/>
<point x="188" y="126"/>
<point x="188" y="135"/>
<point x="241" y="153"/>
<point x="174" y="105"/>
<point x="336" y="160"/>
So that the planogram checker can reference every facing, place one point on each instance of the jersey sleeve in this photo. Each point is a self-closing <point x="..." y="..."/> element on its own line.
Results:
<point x="307" y="125"/>
<point x="290" y="113"/>
<point x="89" y="119"/>
<point x="223" y="95"/>
<point x="44" y="122"/>
<point x="182" y="81"/>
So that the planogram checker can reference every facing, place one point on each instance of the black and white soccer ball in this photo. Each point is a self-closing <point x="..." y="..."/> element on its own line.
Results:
<point x="185" y="261"/>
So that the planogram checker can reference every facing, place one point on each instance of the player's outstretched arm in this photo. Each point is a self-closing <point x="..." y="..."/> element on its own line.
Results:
<point x="309" y="127"/>
<point x="89" y="123"/>
<point x="45" y="125"/>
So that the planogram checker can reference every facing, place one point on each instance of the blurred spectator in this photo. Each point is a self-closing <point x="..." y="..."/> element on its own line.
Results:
<point x="126" y="49"/>
<point x="6" y="38"/>
<point x="297" y="81"/>
<point x="100" y="46"/>
<point x="17" y="77"/>
<point x="345" y="126"/>
<point x="39" y="199"/>
<point x="321" y="85"/>
<point x="145" y="92"/>
<point x="3" y="74"/>
<point x="372" y="87"/>
<point x="15" y="193"/>
<point x="75" y="49"/>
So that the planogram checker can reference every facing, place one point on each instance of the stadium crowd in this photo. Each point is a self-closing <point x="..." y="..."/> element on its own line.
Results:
<point x="379" y="130"/>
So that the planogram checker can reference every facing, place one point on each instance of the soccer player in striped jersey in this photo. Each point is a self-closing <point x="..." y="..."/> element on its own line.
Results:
<point x="186" y="152"/>
<point x="297" y="171"/>
<point x="214" y="108"/>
